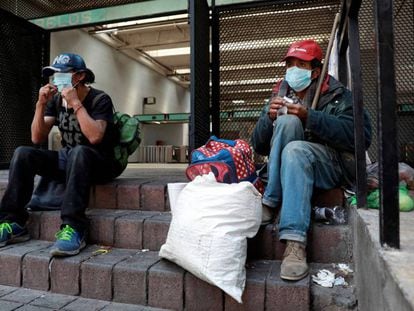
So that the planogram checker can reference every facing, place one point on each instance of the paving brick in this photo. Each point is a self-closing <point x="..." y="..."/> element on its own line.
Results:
<point x="284" y="295"/>
<point x="35" y="269"/>
<point x="23" y="295"/>
<point x="129" y="229"/>
<point x="326" y="243"/>
<point x="86" y="304"/>
<point x="156" y="231"/>
<point x="255" y="290"/>
<point x="196" y="293"/>
<point x="9" y="305"/>
<point x="10" y="260"/>
<point x="96" y="274"/>
<point x="129" y="193"/>
<point x="153" y="197"/>
<point x="330" y="243"/>
<point x="4" y="290"/>
<point x="33" y="225"/>
<point x="130" y="278"/>
<point x="331" y="197"/>
<point x="65" y="272"/>
<point x="53" y="301"/>
<point x="106" y="195"/>
<point x="50" y="224"/>
<point x="165" y="286"/>
<point x="102" y="225"/>
<point x="33" y="308"/>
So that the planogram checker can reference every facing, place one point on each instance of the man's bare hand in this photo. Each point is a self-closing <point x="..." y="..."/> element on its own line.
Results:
<point x="275" y="104"/>
<point x="46" y="93"/>
<point x="298" y="110"/>
<point x="70" y="94"/>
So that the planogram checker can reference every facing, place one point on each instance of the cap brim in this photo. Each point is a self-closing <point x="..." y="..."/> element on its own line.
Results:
<point x="50" y="70"/>
<point x="302" y="56"/>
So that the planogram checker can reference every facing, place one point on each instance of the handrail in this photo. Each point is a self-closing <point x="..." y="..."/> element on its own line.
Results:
<point x="348" y="36"/>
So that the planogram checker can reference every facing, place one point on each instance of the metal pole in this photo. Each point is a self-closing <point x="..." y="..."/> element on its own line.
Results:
<point x="387" y="125"/>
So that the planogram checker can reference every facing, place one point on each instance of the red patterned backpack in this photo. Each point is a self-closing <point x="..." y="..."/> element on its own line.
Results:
<point x="229" y="160"/>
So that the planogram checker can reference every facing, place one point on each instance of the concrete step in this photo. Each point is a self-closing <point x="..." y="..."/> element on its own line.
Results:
<point x="142" y="278"/>
<point x="134" y="229"/>
<point x="16" y="298"/>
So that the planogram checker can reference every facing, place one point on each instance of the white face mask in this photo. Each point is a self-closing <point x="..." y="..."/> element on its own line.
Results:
<point x="62" y="80"/>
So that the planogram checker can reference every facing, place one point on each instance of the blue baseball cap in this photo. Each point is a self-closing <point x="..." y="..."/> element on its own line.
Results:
<point x="66" y="62"/>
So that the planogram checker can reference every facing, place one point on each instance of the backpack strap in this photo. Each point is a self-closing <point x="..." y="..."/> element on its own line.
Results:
<point x="96" y="98"/>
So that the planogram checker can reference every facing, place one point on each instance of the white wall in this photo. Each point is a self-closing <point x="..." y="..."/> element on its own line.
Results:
<point x="128" y="82"/>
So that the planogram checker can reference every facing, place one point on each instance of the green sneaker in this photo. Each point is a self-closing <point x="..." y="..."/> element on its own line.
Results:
<point x="68" y="242"/>
<point x="12" y="232"/>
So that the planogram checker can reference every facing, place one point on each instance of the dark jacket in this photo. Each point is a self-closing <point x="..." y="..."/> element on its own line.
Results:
<point x="331" y="123"/>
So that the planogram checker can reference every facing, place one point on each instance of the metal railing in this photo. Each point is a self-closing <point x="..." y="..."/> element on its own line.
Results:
<point x="386" y="106"/>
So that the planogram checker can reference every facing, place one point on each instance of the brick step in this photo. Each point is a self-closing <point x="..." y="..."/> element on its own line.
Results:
<point x="137" y="277"/>
<point x="148" y="230"/>
<point x="148" y="194"/>
<point x="16" y="298"/>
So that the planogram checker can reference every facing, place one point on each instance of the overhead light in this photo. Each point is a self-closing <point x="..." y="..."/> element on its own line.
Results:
<point x="182" y="71"/>
<point x="168" y="52"/>
<point x="103" y="31"/>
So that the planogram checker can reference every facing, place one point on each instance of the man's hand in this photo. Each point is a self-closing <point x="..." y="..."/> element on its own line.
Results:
<point x="275" y="104"/>
<point x="70" y="94"/>
<point x="46" y="93"/>
<point x="298" y="110"/>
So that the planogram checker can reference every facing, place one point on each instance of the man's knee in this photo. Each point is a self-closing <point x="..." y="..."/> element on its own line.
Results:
<point x="288" y="120"/>
<point x="23" y="152"/>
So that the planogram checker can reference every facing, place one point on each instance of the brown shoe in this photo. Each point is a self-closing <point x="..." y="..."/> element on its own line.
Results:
<point x="294" y="266"/>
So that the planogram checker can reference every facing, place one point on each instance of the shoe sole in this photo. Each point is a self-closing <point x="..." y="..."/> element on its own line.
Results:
<point x="58" y="252"/>
<point x="294" y="278"/>
<point x="16" y="239"/>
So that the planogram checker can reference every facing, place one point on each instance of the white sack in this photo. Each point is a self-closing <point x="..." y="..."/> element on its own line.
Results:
<point x="207" y="235"/>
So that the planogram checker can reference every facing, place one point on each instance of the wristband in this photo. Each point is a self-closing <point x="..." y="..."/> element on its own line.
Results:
<point x="77" y="108"/>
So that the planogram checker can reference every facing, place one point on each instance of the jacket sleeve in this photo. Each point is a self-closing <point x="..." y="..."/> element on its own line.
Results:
<point x="336" y="126"/>
<point x="262" y="133"/>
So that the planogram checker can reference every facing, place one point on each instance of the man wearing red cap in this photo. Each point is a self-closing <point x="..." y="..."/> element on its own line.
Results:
<point x="306" y="148"/>
<point x="84" y="116"/>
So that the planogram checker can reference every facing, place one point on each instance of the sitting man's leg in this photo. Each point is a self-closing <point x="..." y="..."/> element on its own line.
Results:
<point x="25" y="164"/>
<point x="287" y="128"/>
<point x="304" y="166"/>
<point x="84" y="167"/>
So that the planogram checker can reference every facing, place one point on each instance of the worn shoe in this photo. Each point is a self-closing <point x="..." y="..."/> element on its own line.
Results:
<point x="68" y="242"/>
<point x="294" y="266"/>
<point x="12" y="233"/>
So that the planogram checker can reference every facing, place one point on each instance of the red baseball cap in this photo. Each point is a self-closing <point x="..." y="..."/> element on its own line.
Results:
<point x="306" y="50"/>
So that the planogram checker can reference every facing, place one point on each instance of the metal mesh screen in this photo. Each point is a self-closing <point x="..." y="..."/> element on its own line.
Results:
<point x="22" y="56"/>
<point x="403" y="61"/>
<point x="30" y="9"/>
<point x="253" y="40"/>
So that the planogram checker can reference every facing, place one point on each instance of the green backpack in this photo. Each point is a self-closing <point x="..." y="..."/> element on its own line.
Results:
<point x="129" y="140"/>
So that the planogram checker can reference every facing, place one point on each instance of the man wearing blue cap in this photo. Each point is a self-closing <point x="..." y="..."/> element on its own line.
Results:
<point x="84" y="116"/>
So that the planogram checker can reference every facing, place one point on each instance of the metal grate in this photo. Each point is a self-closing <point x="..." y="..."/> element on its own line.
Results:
<point x="37" y="9"/>
<point x="404" y="60"/>
<point x="253" y="40"/>
<point x="22" y="56"/>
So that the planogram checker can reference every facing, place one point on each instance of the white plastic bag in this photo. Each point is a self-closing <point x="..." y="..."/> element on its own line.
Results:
<point x="208" y="231"/>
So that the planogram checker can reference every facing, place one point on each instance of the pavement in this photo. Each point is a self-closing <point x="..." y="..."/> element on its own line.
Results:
<point x="23" y="299"/>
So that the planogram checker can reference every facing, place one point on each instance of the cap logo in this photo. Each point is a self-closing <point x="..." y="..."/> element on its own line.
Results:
<point x="62" y="60"/>
<point x="294" y="49"/>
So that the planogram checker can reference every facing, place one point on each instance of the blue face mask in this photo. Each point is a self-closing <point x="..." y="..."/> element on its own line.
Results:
<point x="62" y="80"/>
<point x="298" y="78"/>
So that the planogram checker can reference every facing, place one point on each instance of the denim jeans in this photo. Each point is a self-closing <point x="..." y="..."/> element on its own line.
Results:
<point x="84" y="166"/>
<point x="295" y="168"/>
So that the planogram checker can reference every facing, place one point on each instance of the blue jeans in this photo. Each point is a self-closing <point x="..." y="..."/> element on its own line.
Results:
<point x="83" y="167"/>
<point x="295" y="168"/>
